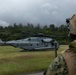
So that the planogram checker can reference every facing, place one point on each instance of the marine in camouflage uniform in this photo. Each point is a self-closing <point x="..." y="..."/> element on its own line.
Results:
<point x="58" y="65"/>
<point x="63" y="64"/>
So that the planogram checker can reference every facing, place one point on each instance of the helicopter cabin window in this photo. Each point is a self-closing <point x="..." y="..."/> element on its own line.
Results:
<point x="46" y="45"/>
<point x="37" y="44"/>
<point x="52" y="44"/>
<point x="41" y="43"/>
<point x="26" y="44"/>
<point x="30" y="44"/>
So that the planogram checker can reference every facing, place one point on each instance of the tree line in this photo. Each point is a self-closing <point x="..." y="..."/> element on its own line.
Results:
<point x="19" y="31"/>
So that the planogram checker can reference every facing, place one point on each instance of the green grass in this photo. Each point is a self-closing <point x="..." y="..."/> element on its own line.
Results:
<point x="13" y="62"/>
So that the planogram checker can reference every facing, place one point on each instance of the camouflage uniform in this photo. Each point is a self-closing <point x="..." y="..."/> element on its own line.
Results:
<point x="58" y="66"/>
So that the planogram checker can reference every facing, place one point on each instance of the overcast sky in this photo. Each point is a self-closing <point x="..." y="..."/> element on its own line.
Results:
<point x="36" y="11"/>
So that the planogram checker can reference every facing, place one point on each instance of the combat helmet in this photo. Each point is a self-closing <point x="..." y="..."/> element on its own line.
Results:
<point x="71" y="22"/>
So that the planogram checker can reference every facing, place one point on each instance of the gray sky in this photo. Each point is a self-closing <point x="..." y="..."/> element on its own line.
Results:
<point x="36" y="11"/>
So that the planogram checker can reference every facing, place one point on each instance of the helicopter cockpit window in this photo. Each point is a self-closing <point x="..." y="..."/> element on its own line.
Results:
<point x="29" y="39"/>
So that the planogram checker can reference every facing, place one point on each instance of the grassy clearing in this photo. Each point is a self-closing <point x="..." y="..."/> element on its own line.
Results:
<point x="12" y="61"/>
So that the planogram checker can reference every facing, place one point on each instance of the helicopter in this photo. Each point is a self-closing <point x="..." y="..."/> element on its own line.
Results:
<point x="37" y="42"/>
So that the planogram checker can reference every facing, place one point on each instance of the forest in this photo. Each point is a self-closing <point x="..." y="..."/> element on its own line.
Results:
<point x="20" y="31"/>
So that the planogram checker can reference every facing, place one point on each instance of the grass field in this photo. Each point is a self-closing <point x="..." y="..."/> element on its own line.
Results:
<point x="13" y="62"/>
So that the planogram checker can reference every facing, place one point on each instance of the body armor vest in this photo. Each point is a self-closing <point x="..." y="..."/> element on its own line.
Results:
<point x="70" y="59"/>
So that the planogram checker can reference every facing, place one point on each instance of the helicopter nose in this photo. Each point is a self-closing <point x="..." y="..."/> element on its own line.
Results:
<point x="1" y="42"/>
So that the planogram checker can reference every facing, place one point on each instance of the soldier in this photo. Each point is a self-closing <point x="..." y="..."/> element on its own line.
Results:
<point x="65" y="63"/>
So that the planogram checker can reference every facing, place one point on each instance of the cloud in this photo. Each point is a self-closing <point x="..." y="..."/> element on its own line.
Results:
<point x="3" y="23"/>
<point x="36" y="11"/>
